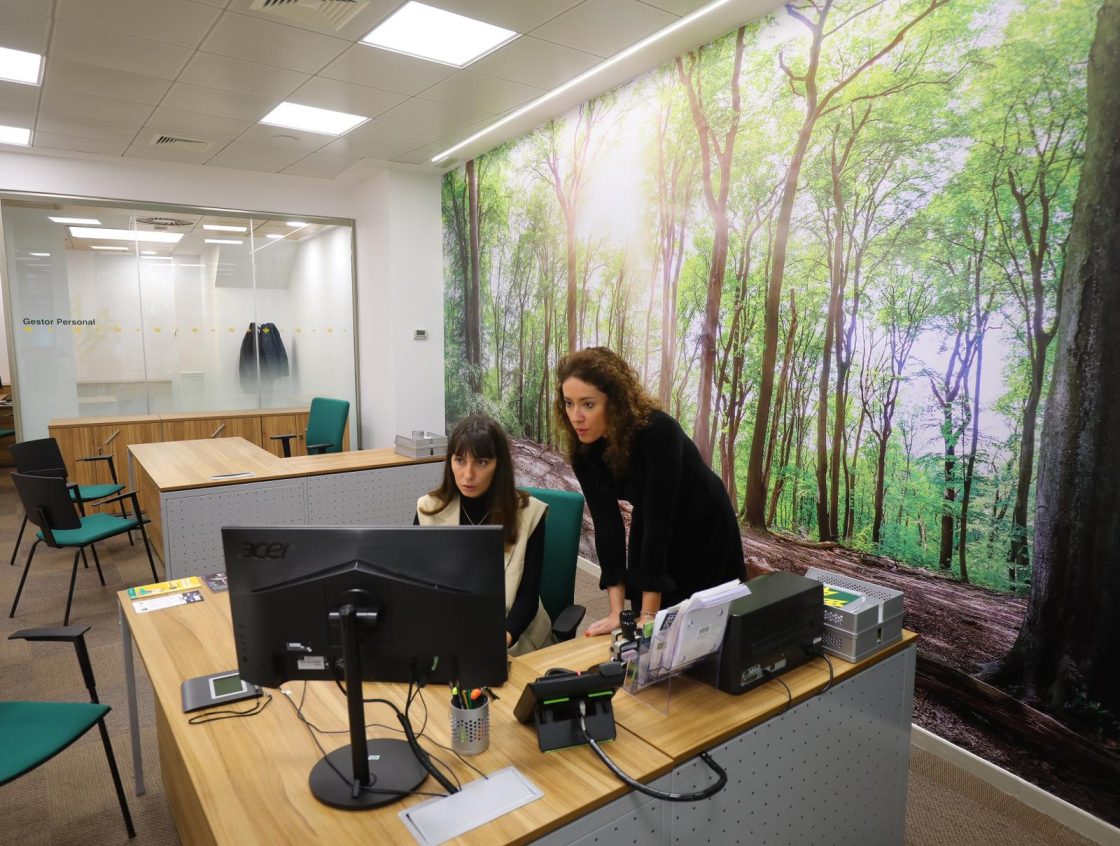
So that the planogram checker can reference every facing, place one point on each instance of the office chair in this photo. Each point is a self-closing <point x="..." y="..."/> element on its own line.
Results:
<point x="31" y="733"/>
<point x="42" y="457"/>
<point x="48" y="504"/>
<point x="561" y="547"/>
<point x="326" y="424"/>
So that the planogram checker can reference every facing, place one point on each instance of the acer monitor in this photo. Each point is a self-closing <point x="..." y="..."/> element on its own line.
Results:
<point x="422" y="604"/>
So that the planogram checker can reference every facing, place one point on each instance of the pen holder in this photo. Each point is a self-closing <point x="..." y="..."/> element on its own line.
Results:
<point x="470" y="728"/>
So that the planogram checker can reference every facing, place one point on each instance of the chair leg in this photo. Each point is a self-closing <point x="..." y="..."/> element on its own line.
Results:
<point x="148" y="549"/>
<point x="19" y="539"/>
<point x="116" y="778"/>
<point x="70" y="595"/>
<point x="96" y="561"/>
<point x="23" y="578"/>
<point x="124" y="514"/>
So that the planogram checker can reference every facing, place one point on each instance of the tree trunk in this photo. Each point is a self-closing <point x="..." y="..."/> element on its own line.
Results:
<point x="473" y="311"/>
<point x="1065" y="650"/>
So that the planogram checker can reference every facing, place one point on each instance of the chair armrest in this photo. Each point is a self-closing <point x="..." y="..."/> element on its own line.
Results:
<point x="49" y="472"/>
<point x="109" y="458"/>
<point x="126" y="495"/>
<point x="566" y="622"/>
<point x="284" y="437"/>
<point x="285" y="442"/>
<point x="68" y="633"/>
<point x="318" y="449"/>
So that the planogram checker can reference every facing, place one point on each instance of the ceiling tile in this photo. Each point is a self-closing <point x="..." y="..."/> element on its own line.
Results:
<point x="18" y="97"/>
<point x="482" y="93"/>
<point x="392" y="134"/>
<point x="210" y="101"/>
<point x="423" y="155"/>
<point x="320" y="165"/>
<point x="141" y="149"/>
<point x="245" y="164"/>
<point x="228" y="74"/>
<point x="282" y="156"/>
<point x="53" y="141"/>
<point x="364" y="21"/>
<point x="289" y="139"/>
<point x="84" y="127"/>
<point x="175" y="121"/>
<point x="534" y="62"/>
<point x="168" y="21"/>
<point x="22" y="31"/>
<point x="113" y="50"/>
<point x="23" y="118"/>
<point x="244" y="37"/>
<point x="345" y="97"/>
<point x="353" y="148"/>
<point x="678" y="7"/>
<point x="366" y="65"/>
<point x="63" y="102"/>
<point x="151" y="132"/>
<point x="220" y="4"/>
<point x="604" y="27"/>
<point x="89" y="79"/>
<point x="521" y="16"/>
<point x="34" y="7"/>
<point x="440" y="117"/>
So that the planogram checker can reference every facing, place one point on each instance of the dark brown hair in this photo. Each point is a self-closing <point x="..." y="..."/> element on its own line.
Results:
<point x="628" y="405"/>
<point x="482" y="437"/>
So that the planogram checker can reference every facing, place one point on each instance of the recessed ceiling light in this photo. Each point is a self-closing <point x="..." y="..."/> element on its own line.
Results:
<point x="223" y="240"/>
<point x="216" y="227"/>
<point x="271" y="235"/>
<point x="127" y="235"/>
<point x="437" y="35"/>
<point x="15" y="135"/>
<point x="41" y="255"/>
<point x="147" y="252"/>
<point x="296" y="223"/>
<point x="20" y="66"/>
<point x="122" y="249"/>
<point x="180" y="264"/>
<point x="76" y="221"/>
<point x="156" y="258"/>
<point x="311" y="119"/>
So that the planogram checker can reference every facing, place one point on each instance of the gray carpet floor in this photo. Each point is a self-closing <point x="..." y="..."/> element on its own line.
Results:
<point x="70" y="800"/>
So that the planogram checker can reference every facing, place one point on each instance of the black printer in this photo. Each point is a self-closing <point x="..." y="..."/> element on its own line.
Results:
<point x="778" y="627"/>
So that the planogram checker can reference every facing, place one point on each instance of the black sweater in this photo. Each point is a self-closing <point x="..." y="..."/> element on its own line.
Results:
<point x="684" y="536"/>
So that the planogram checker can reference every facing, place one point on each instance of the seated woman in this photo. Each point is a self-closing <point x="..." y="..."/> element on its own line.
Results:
<point x="477" y="489"/>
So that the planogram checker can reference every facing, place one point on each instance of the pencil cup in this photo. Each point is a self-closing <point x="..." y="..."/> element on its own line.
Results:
<point x="470" y="728"/>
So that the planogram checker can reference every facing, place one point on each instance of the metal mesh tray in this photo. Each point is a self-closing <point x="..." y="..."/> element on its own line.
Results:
<point x="855" y="647"/>
<point x="883" y="604"/>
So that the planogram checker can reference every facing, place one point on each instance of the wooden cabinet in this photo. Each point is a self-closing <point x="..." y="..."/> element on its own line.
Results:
<point x="284" y="422"/>
<point x="89" y="436"/>
<point x="198" y="427"/>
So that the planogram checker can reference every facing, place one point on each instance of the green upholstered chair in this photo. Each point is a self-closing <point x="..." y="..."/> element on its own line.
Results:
<point x="47" y="503"/>
<point x="326" y="423"/>
<point x="31" y="733"/>
<point x="561" y="548"/>
<point x="42" y="457"/>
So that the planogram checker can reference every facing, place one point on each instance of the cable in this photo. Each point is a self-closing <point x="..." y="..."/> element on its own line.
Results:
<point x="214" y="716"/>
<point x="820" y="653"/>
<point x="708" y="792"/>
<point x="771" y="676"/>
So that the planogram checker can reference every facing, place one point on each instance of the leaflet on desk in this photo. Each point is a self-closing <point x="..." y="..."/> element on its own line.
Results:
<point x="691" y="630"/>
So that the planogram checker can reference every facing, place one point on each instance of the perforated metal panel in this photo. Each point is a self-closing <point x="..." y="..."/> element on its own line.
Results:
<point x="193" y="520"/>
<point x="385" y="496"/>
<point x="632" y="819"/>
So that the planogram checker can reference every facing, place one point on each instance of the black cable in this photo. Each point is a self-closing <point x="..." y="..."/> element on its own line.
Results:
<point x="831" y="673"/>
<point x="708" y="792"/>
<point x="789" y="693"/>
<point x="214" y="716"/>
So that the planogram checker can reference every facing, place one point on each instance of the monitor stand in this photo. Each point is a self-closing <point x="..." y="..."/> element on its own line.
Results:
<point x="364" y="774"/>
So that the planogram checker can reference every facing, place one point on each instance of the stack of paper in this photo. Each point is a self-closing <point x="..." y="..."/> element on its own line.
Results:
<point x="691" y="630"/>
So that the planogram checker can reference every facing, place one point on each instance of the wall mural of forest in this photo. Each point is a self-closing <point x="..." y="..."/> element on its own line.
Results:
<point x="830" y="241"/>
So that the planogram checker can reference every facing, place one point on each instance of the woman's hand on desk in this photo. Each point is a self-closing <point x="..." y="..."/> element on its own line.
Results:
<point x="604" y="626"/>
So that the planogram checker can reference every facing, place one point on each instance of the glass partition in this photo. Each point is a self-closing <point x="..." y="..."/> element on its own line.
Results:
<point x="128" y="310"/>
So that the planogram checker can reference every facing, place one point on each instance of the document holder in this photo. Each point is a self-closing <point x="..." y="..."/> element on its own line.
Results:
<point x="555" y="703"/>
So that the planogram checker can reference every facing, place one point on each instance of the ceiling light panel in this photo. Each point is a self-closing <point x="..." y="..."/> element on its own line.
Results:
<point x="119" y="249"/>
<point x="217" y="227"/>
<point x="311" y="119"/>
<point x="20" y="66"/>
<point x="222" y="241"/>
<point x="437" y="35"/>
<point x="76" y="221"/>
<point x="15" y="135"/>
<point x="126" y="235"/>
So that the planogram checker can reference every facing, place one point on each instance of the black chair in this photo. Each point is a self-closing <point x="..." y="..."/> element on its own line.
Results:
<point x="48" y="504"/>
<point x="42" y="457"/>
<point x="326" y="424"/>
<point x="31" y="733"/>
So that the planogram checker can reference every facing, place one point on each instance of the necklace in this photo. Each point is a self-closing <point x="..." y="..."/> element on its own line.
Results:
<point x="463" y="511"/>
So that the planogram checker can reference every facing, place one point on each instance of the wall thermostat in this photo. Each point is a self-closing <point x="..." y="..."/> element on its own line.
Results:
<point x="216" y="689"/>
<point x="420" y="334"/>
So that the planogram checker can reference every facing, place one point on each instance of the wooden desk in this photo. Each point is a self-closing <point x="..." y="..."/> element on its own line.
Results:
<point x="190" y="489"/>
<point x="245" y="780"/>
<point x="830" y="768"/>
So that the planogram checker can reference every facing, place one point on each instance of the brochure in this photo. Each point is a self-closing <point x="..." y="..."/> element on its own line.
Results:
<point x="164" y="587"/>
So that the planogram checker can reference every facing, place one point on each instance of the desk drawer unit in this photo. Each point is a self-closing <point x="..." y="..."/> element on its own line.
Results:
<point x="385" y="496"/>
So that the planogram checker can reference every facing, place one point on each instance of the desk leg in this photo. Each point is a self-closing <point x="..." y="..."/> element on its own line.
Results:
<point x="133" y="716"/>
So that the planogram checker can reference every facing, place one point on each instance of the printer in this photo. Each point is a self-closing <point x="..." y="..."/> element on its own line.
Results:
<point x="777" y="627"/>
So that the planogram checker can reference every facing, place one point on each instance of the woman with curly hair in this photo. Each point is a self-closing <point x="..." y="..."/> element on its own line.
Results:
<point x="683" y="533"/>
<point x="477" y="489"/>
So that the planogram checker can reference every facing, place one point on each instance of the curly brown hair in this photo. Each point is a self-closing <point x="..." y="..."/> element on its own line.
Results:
<point x="628" y="404"/>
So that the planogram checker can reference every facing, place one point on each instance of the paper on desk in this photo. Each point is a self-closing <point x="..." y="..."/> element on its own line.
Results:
<point x="701" y="623"/>
<point x="479" y="802"/>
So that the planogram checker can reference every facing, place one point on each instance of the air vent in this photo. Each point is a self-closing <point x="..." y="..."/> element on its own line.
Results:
<point x="163" y="221"/>
<point x="178" y="143"/>
<point x="337" y="13"/>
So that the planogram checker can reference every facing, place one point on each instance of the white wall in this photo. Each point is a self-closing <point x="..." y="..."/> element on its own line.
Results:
<point x="399" y="264"/>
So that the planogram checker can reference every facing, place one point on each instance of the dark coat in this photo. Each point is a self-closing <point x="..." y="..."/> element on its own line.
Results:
<point x="273" y="357"/>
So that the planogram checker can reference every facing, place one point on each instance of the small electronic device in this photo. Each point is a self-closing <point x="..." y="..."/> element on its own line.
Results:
<point x="778" y="627"/>
<point x="216" y="689"/>
<point x="554" y="700"/>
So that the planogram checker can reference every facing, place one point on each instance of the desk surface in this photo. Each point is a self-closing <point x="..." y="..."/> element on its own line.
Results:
<point x="180" y="465"/>
<point x="250" y="775"/>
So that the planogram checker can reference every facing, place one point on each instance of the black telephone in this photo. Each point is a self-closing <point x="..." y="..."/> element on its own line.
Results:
<point x="554" y="702"/>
